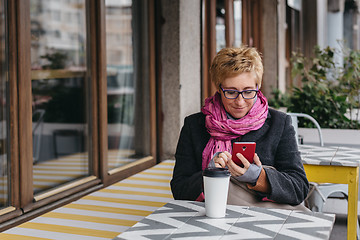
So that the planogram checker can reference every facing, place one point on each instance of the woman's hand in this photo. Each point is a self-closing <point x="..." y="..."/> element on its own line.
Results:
<point x="225" y="159"/>
<point x="236" y="170"/>
<point x="222" y="159"/>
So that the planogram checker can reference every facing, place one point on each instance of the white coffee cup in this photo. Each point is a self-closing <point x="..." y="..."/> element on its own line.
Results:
<point x="216" y="186"/>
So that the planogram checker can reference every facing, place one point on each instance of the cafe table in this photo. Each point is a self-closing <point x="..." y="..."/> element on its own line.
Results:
<point x="187" y="220"/>
<point x="335" y="164"/>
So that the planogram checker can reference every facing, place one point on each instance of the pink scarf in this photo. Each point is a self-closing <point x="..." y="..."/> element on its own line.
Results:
<point x="223" y="130"/>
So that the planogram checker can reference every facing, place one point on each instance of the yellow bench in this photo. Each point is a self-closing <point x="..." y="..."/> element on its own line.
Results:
<point x="105" y="213"/>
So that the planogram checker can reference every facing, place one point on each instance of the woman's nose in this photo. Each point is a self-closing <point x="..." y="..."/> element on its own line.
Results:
<point x="239" y="99"/>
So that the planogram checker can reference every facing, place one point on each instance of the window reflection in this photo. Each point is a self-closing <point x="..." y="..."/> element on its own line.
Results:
<point x="4" y="91"/>
<point x="237" y="22"/>
<point x="124" y="95"/>
<point x="59" y="91"/>
<point x="220" y="25"/>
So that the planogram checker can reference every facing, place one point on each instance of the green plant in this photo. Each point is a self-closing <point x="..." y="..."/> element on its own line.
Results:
<point x="56" y="60"/>
<point x="349" y="82"/>
<point x="322" y="93"/>
<point x="279" y="99"/>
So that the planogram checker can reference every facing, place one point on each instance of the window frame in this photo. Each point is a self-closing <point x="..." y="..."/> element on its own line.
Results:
<point x="23" y="203"/>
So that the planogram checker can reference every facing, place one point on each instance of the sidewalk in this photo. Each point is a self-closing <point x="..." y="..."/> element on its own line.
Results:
<point x="335" y="137"/>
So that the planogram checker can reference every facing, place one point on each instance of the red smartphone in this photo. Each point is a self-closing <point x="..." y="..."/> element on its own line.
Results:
<point x="247" y="149"/>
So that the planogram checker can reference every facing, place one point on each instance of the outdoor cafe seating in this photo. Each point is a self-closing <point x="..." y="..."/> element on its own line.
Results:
<point x="116" y="209"/>
<point x="134" y="208"/>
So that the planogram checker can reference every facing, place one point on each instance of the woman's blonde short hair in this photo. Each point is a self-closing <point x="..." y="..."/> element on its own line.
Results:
<point x="232" y="61"/>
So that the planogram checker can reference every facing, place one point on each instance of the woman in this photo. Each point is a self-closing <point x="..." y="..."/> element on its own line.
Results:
<point x="238" y="111"/>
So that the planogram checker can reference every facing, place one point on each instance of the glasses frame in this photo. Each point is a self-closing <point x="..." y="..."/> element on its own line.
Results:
<point x="239" y="92"/>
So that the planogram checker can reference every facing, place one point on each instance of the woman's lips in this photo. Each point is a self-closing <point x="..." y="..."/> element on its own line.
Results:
<point x="239" y="108"/>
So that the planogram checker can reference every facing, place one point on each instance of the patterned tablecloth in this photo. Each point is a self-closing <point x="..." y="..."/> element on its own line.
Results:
<point x="333" y="155"/>
<point x="187" y="220"/>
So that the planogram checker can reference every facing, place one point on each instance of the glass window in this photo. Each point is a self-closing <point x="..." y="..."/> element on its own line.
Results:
<point x="237" y="22"/>
<point x="60" y="81"/>
<point x="128" y="106"/>
<point x="4" y="91"/>
<point x="220" y="25"/>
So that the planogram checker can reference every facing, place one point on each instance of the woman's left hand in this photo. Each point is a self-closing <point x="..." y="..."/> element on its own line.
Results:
<point x="236" y="170"/>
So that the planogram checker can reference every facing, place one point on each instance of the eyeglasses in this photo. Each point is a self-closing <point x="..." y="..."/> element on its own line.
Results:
<point x="233" y="94"/>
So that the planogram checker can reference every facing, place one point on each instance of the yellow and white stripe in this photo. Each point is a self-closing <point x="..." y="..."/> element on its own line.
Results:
<point x="103" y="214"/>
<point x="52" y="173"/>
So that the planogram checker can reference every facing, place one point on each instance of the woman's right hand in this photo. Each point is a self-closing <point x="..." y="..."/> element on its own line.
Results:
<point x="222" y="159"/>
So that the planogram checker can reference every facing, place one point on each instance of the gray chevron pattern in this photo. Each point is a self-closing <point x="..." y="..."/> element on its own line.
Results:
<point x="339" y="156"/>
<point x="187" y="220"/>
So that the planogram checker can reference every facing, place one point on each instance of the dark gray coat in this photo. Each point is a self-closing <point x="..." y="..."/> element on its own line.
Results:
<point x="275" y="145"/>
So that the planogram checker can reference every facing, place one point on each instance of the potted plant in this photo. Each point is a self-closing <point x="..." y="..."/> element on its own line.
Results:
<point x="327" y="91"/>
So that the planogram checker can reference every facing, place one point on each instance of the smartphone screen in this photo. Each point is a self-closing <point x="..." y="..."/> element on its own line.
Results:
<point x="247" y="149"/>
